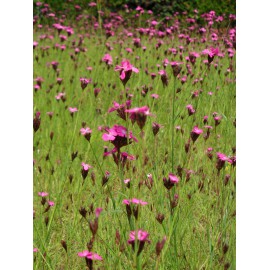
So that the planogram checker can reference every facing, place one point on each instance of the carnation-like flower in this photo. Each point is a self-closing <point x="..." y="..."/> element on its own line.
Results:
<point x="118" y="136"/>
<point x="139" y="115"/>
<point x="195" y="133"/>
<point x="125" y="70"/>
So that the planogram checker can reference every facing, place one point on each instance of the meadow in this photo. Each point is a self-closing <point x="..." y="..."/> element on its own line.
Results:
<point x="134" y="140"/>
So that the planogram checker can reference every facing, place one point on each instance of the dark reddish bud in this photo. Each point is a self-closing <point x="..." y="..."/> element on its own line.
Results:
<point x="46" y="221"/>
<point x="117" y="238"/>
<point x="36" y="122"/>
<point x="51" y="135"/>
<point x="160" y="217"/>
<point x="225" y="248"/>
<point x="64" y="245"/>
<point x="74" y="155"/>
<point x="226" y="179"/>
<point x="83" y="212"/>
<point x="160" y="245"/>
<point x="94" y="226"/>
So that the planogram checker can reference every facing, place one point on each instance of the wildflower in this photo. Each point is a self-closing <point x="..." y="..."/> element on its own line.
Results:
<point x="221" y="159"/>
<point x="155" y="96"/>
<point x="191" y="110"/>
<point x="43" y="194"/>
<point x="86" y="132"/>
<point x="156" y="127"/>
<point x="171" y="181"/>
<point x="118" y="136"/>
<point x="85" y="82"/>
<point x="50" y="114"/>
<point x="140" y="236"/>
<point x="90" y="257"/>
<point x="176" y="68"/>
<point x="160" y="245"/>
<point x="164" y="77"/>
<point x="134" y="201"/>
<point x="211" y="53"/>
<point x="107" y="59"/>
<point x="72" y="110"/>
<point x="120" y="109"/>
<point x="139" y="115"/>
<point x="195" y="133"/>
<point x="125" y="70"/>
<point x="85" y="169"/>
<point x="54" y="64"/>
<point x="36" y="122"/>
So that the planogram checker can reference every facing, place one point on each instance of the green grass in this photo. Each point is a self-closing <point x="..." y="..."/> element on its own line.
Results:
<point x="203" y="220"/>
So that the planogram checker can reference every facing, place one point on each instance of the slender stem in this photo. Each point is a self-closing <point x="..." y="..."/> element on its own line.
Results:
<point x="173" y="123"/>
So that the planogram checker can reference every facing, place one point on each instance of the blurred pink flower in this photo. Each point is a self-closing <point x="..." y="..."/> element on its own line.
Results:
<point x="98" y="211"/>
<point x="125" y="70"/>
<point x="139" y="235"/>
<point x="85" y="166"/>
<point x="90" y="255"/>
<point x="135" y="201"/>
<point x="43" y="194"/>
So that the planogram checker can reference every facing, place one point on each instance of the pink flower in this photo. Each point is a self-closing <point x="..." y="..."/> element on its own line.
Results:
<point x="98" y="211"/>
<point x="139" y="115"/>
<point x="221" y="159"/>
<point x="171" y="181"/>
<point x="195" y="133"/>
<point x="139" y="235"/>
<point x="86" y="132"/>
<point x="126" y="181"/>
<point x="173" y="178"/>
<point x="43" y="194"/>
<point x="72" y="110"/>
<point x="164" y="77"/>
<point x="107" y="59"/>
<point x="90" y="255"/>
<point x="191" y="110"/>
<point x="35" y="43"/>
<point x="134" y="201"/>
<point x="60" y="96"/>
<point x="155" y="96"/>
<point x="85" y="166"/>
<point x="125" y="70"/>
<point x="92" y="4"/>
<point x="50" y="203"/>
<point x="118" y="136"/>
<point x="120" y="108"/>
<point x="35" y="250"/>
<point x="85" y="82"/>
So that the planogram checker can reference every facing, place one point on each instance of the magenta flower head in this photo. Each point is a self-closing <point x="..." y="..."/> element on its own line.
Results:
<point x="107" y="59"/>
<point x="89" y="258"/>
<point x="221" y="159"/>
<point x="118" y="136"/>
<point x="86" y="132"/>
<point x="125" y="70"/>
<point x="43" y="194"/>
<point x="176" y="68"/>
<point x="139" y="115"/>
<point x="85" y="169"/>
<point x="164" y="77"/>
<point x="171" y="181"/>
<point x="156" y="127"/>
<point x="212" y="52"/>
<point x="139" y="236"/>
<point x="190" y="109"/>
<point x="85" y="82"/>
<point x="72" y="110"/>
<point x="98" y="211"/>
<point x="54" y="64"/>
<point x="195" y="133"/>
<point x="120" y="109"/>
